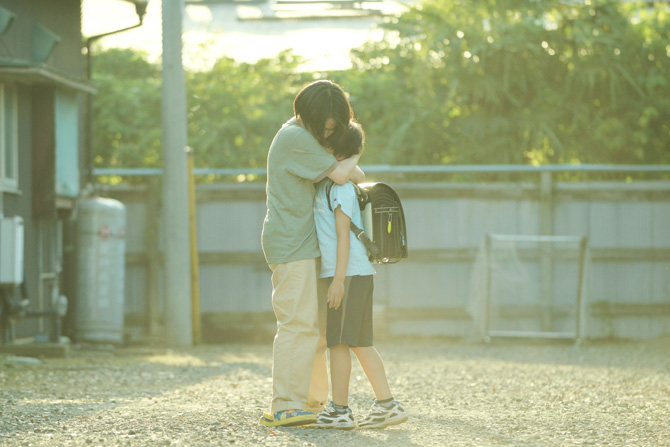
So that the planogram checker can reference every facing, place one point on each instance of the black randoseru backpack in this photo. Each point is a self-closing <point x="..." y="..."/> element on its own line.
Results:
<point x="384" y="232"/>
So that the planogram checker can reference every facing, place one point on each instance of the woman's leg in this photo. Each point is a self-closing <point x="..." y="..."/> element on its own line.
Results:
<point x="319" y="389"/>
<point x="295" y="306"/>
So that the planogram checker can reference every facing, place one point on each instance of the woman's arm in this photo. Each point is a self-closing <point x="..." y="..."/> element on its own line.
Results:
<point x="336" y="288"/>
<point x="357" y="176"/>
<point x="345" y="170"/>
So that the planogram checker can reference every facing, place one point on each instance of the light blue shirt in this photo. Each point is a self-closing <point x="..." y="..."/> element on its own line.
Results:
<point x="343" y="196"/>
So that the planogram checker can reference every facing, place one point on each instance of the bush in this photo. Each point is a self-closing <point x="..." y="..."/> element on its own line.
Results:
<point x="483" y="81"/>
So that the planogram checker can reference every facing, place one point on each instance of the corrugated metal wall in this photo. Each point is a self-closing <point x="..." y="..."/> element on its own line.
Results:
<point x="628" y="226"/>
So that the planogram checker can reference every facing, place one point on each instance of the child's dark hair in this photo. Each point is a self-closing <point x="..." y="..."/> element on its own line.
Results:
<point x="351" y="143"/>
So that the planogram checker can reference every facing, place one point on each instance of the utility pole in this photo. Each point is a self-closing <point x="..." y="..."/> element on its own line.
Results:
<point x="175" y="182"/>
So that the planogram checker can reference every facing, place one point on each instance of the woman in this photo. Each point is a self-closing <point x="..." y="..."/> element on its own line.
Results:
<point x="297" y="159"/>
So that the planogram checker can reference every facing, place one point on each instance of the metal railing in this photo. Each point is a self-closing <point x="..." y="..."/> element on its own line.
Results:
<point x="409" y="169"/>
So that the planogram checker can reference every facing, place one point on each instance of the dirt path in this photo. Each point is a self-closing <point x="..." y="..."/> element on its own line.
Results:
<point x="457" y="394"/>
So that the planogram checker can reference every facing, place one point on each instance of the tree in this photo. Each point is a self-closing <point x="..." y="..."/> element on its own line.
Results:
<point x="477" y="82"/>
<point x="127" y="110"/>
<point x="507" y="81"/>
<point x="234" y="110"/>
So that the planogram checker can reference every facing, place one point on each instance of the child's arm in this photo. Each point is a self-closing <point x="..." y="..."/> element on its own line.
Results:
<point x="336" y="288"/>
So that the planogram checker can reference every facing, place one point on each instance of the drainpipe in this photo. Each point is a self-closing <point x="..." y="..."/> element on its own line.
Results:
<point x="140" y="9"/>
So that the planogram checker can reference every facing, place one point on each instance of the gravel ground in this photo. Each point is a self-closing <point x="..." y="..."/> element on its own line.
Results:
<point x="456" y="393"/>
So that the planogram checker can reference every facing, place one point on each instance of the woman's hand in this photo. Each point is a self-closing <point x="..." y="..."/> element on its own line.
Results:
<point x="344" y="170"/>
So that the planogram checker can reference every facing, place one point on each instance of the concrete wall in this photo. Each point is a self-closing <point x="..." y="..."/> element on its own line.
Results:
<point x="431" y="292"/>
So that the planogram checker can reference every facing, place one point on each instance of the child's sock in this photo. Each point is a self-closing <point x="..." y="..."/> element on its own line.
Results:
<point x="340" y="407"/>
<point x="385" y="402"/>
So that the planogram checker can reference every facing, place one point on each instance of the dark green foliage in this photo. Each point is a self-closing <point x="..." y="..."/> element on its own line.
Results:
<point x="127" y="111"/>
<point x="462" y="82"/>
<point x="235" y="109"/>
<point x="505" y="81"/>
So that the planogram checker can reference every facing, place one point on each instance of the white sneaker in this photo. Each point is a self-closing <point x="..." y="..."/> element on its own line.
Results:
<point x="383" y="415"/>
<point x="335" y="418"/>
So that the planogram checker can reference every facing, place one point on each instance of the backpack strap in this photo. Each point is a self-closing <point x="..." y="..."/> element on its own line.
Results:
<point x="329" y="186"/>
<point x="361" y="195"/>
<point x="361" y="236"/>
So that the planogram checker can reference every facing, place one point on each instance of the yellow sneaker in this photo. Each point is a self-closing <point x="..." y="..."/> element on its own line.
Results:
<point x="288" y="418"/>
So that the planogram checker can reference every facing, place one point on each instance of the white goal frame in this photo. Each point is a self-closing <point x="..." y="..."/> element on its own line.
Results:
<point x="577" y="334"/>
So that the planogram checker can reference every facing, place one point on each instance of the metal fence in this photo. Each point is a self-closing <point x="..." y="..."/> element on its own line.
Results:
<point x="431" y="292"/>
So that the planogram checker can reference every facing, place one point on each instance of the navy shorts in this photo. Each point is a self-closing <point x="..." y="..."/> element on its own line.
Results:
<point x="351" y="323"/>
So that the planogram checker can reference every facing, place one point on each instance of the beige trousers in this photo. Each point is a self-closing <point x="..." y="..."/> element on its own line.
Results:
<point x="299" y="370"/>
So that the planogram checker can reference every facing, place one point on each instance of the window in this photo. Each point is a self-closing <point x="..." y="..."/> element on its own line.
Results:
<point x="9" y="145"/>
<point x="67" y="144"/>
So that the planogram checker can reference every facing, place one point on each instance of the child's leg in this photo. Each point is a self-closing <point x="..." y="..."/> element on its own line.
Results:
<point x="340" y="371"/>
<point x="373" y="366"/>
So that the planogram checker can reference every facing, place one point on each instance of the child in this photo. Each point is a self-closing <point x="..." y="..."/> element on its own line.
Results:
<point x="297" y="159"/>
<point x="346" y="268"/>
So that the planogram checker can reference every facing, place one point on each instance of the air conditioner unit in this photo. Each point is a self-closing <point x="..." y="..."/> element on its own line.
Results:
<point x="11" y="250"/>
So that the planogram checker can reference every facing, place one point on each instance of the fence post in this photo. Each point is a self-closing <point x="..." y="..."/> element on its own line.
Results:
<point x="489" y="280"/>
<point x="546" y="263"/>
<point x="580" y="289"/>
<point x="193" y="243"/>
<point x="152" y="198"/>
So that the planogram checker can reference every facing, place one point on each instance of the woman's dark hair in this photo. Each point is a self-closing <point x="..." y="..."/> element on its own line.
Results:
<point x="319" y="101"/>
<point x="352" y="142"/>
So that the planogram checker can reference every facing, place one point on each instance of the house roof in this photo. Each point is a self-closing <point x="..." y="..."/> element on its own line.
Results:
<point x="33" y="73"/>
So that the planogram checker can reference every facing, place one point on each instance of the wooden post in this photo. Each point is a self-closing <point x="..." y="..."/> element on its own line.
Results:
<point x="546" y="263"/>
<point x="193" y="232"/>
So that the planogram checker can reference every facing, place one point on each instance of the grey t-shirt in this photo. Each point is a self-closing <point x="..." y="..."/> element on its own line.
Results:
<point x="296" y="161"/>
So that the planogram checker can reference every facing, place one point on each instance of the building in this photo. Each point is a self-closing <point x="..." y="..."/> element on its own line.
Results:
<point x="44" y="165"/>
